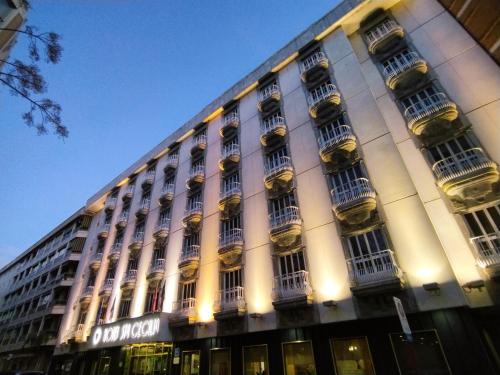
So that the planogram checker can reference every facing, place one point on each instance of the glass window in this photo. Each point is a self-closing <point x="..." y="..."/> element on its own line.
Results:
<point x="299" y="358"/>
<point x="352" y="356"/>
<point x="422" y="356"/>
<point x="255" y="360"/>
<point x="190" y="363"/>
<point x="220" y="362"/>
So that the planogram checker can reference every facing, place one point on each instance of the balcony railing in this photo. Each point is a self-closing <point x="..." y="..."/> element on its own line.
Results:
<point x="487" y="249"/>
<point x="123" y="216"/>
<point x="268" y="91"/>
<point x="400" y="64"/>
<point x="197" y="170"/>
<point x="322" y="92"/>
<point x="158" y="265"/>
<point x="130" y="276"/>
<point x="230" y="237"/>
<point x="110" y="203"/>
<point x="231" y="118"/>
<point x="374" y="267"/>
<point x="88" y="291"/>
<point x="231" y="298"/>
<point x="230" y="150"/>
<point x="104" y="228"/>
<point x="427" y="107"/>
<point x="200" y="139"/>
<point x="461" y="164"/>
<point x="193" y="208"/>
<point x="352" y="192"/>
<point x="167" y="189"/>
<point x="116" y="248"/>
<point x="145" y="203"/>
<point x="107" y="285"/>
<point x="173" y="160"/>
<point x="79" y="331"/>
<point x="96" y="257"/>
<point x="230" y="189"/>
<point x="285" y="216"/>
<point x="191" y="252"/>
<point x="185" y="307"/>
<point x="312" y="60"/>
<point x="381" y="30"/>
<point x="162" y="224"/>
<point x="275" y="165"/>
<point x="292" y="285"/>
<point x="138" y="237"/>
<point x="335" y="136"/>
<point x="272" y="122"/>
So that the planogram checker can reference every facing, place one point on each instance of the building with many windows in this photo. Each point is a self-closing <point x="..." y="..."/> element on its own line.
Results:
<point x="12" y="16"/>
<point x="272" y="233"/>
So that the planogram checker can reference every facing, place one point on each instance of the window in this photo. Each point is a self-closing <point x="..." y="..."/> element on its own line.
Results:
<point x="153" y="297"/>
<point x="191" y="240"/>
<point x="282" y="202"/>
<point x="352" y="356"/>
<point x="484" y="229"/>
<point x="400" y="59"/>
<point x="101" y="311"/>
<point x="299" y="358"/>
<point x="450" y="148"/>
<point x="92" y="276"/>
<point x="367" y="243"/>
<point x="276" y="158"/>
<point x="150" y="359"/>
<point x="124" y="309"/>
<point x="188" y="290"/>
<point x="292" y="263"/>
<point x="191" y="363"/>
<point x="255" y="360"/>
<point x="220" y="362"/>
<point x="231" y="279"/>
<point x="232" y="223"/>
<point x="331" y="129"/>
<point x="347" y="175"/>
<point x="421" y="99"/>
<point x="111" y="271"/>
<point x="132" y="264"/>
<point x="158" y="252"/>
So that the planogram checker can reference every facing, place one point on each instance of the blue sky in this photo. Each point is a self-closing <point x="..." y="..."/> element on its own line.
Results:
<point x="132" y="72"/>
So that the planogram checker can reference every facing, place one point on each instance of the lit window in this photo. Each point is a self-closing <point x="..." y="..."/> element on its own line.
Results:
<point x="352" y="356"/>
<point x="255" y="360"/>
<point x="299" y="358"/>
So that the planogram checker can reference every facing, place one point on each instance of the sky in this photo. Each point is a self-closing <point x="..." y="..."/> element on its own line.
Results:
<point x="131" y="73"/>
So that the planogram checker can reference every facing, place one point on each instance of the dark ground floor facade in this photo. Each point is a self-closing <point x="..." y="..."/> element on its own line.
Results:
<point x="455" y="341"/>
<point x="26" y="359"/>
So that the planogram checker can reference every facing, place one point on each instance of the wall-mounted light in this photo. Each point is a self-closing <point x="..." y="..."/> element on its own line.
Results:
<point x="330" y="303"/>
<point x="432" y="288"/>
<point x="476" y="284"/>
<point x="256" y="316"/>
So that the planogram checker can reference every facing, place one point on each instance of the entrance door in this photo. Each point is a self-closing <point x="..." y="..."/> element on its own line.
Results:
<point x="191" y="363"/>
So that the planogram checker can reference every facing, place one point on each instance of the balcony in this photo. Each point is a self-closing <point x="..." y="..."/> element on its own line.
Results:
<point x="129" y="192"/>
<point x="272" y="130"/>
<point x="286" y="226"/>
<point x="314" y="68"/>
<point x="230" y="303"/>
<point x="230" y="197"/>
<point x="162" y="228"/>
<point x="95" y="261"/>
<point x="129" y="280"/>
<point x="230" y="246"/>
<point x="375" y="273"/>
<point x="183" y="312"/>
<point x="487" y="253"/>
<point x="196" y="176"/>
<point x="404" y="70"/>
<point x="323" y="101"/>
<point x="107" y="287"/>
<point x="354" y="201"/>
<point x="339" y="143"/>
<point x="230" y="124"/>
<point x="431" y="116"/>
<point x="172" y="162"/>
<point x="110" y="204"/>
<point x="149" y="178"/>
<point x="470" y="175"/>
<point x="86" y="296"/>
<point x="292" y="290"/>
<point x="189" y="260"/>
<point x="137" y="241"/>
<point x="198" y="144"/>
<point x="103" y="230"/>
<point x="269" y="98"/>
<point x="278" y="172"/>
<point x="167" y="194"/>
<point x="122" y="220"/>
<point x="156" y="270"/>
<point x="384" y="36"/>
<point x="230" y="157"/>
<point x="143" y="209"/>
<point x="114" y="254"/>
<point x="193" y="214"/>
<point x="79" y="332"/>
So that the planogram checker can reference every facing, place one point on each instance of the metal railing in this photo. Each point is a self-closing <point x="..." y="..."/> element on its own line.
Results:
<point x="191" y="252"/>
<point x="130" y="189"/>
<point x="145" y="203"/>
<point x="268" y="91"/>
<point x="285" y="216"/>
<point x="167" y="189"/>
<point x="123" y="216"/>
<point x="352" y="191"/>
<point x="229" y="150"/>
<point x="231" y="298"/>
<point x="487" y="249"/>
<point x="335" y="136"/>
<point x="138" y="237"/>
<point x="96" y="257"/>
<point x="193" y="208"/>
<point x="88" y="291"/>
<point x="312" y="60"/>
<point x="381" y="30"/>
<point x="130" y="276"/>
<point x="173" y="159"/>
<point x="401" y="63"/>
<point x="110" y="203"/>
<point x="291" y="285"/>
<point x="200" y="139"/>
<point x="320" y="93"/>
<point x="158" y="265"/>
<point x="150" y="174"/>
<point x="272" y="122"/>
<point x="104" y="228"/>
<point x="107" y="285"/>
<point x="231" y="237"/>
<point x="233" y="187"/>
<point x="275" y="165"/>
<point x="461" y="164"/>
<point x="162" y="224"/>
<point x="116" y="248"/>
<point x="197" y="170"/>
<point x="185" y="307"/>
<point x="427" y="107"/>
<point x="373" y="267"/>
<point x="231" y="118"/>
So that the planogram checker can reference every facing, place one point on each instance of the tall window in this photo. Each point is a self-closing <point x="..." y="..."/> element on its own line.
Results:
<point x="367" y="243"/>
<point x="347" y="175"/>
<point x="282" y="202"/>
<point x="124" y="308"/>
<point x="153" y="298"/>
<point x="421" y="99"/>
<point x="291" y="263"/>
<point x="232" y="223"/>
<point x="188" y="290"/>
<point x="450" y="148"/>
<point x="231" y="279"/>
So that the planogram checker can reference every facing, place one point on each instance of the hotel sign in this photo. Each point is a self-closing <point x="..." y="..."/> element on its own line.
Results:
<point x="148" y="328"/>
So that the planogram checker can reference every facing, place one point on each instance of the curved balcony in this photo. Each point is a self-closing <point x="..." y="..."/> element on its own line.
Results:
<point x="431" y="116"/>
<point x="323" y="101"/>
<point x="230" y="246"/>
<point x="278" y="172"/>
<point x="149" y="178"/>
<point x="314" y="67"/>
<point x="269" y="98"/>
<point x="292" y="290"/>
<point x="230" y="303"/>
<point x="122" y="220"/>
<point x="95" y="261"/>
<point x="143" y="209"/>
<point x="137" y="242"/>
<point x="189" y="260"/>
<point x="110" y="204"/>
<point x="375" y="273"/>
<point x="86" y="296"/>
<point x="384" y="36"/>
<point x="156" y="270"/>
<point x="272" y="130"/>
<point x="230" y="124"/>
<point x="354" y="201"/>
<point x="404" y="70"/>
<point x="230" y="157"/>
<point x="172" y="162"/>
<point x="468" y="174"/>
<point x="230" y="197"/>
<point x="487" y="253"/>
<point x="193" y="214"/>
<point x="167" y="194"/>
<point x="286" y="226"/>
<point x="184" y="312"/>
<point x="129" y="280"/>
<point x="162" y="228"/>
<point x="107" y="287"/>
<point x="198" y="144"/>
<point x="129" y="192"/>
<point x="339" y="142"/>
<point x="114" y="254"/>
<point x="103" y="231"/>
<point x="196" y="176"/>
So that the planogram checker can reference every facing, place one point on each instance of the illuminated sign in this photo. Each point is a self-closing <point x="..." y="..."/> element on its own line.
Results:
<point x="153" y="327"/>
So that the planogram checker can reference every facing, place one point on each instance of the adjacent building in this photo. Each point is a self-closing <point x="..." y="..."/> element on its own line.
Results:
<point x="12" y="16"/>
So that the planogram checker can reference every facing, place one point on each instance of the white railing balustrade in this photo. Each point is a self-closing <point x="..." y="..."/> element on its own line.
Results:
<point x="111" y="203"/>
<point x="322" y="92"/>
<point x="275" y="165"/>
<point x="461" y="164"/>
<point x="138" y="237"/>
<point x="351" y="192"/>
<point x="191" y="252"/>
<point x="312" y="60"/>
<point x="230" y="150"/>
<point x="162" y="224"/>
<point x="158" y="265"/>
<point x="231" y="118"/>
<point x="193" y="208"/>
<point x="150" y="175"/>
<point x="167" y="189"/>
<point x="427" y="107"/>
<point x="285" y="216"/>
<point x="231" y="237"/>
<point x="292" y="285"/>
<point x="487" y="249"/>
<point x="130" y="276"/>
<point x="272" y="122"/>
<point x="230" y="189"/>
<point x="197" y="170"/>
<point x="185" y="307"/>
<point x="268" y="91"/>
<point x="96" y="257"/>
<point x="381" y="30"/>
<point x="374" y="267"/>
<point x="130" y="190"/>
<point x="335" y="135"/>
<point x="231" y="298"/>
<point x="116" y="248"/>
<point x="200" y="139"/>
<point x="107" y="285"/>
<point x="104" y="228"/>
<point x="87" y="292"/>
<point x="401" y="63"/>
<point x="123" y="216"/>
<point x="173" y="160"/>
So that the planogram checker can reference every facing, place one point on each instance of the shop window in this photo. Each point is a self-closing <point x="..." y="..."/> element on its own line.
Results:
<point x="255" y="360"/>
<point x="220" y="362"/>
<point x="299" y="358"/>
<point x="147" y="359"/>
<point x="352" y="356"/>
<point x="190" y="363"/>
<point x="422" y="356"/>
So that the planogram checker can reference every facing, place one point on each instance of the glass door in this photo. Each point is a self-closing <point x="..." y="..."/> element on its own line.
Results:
<point x="190" y="363"/>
